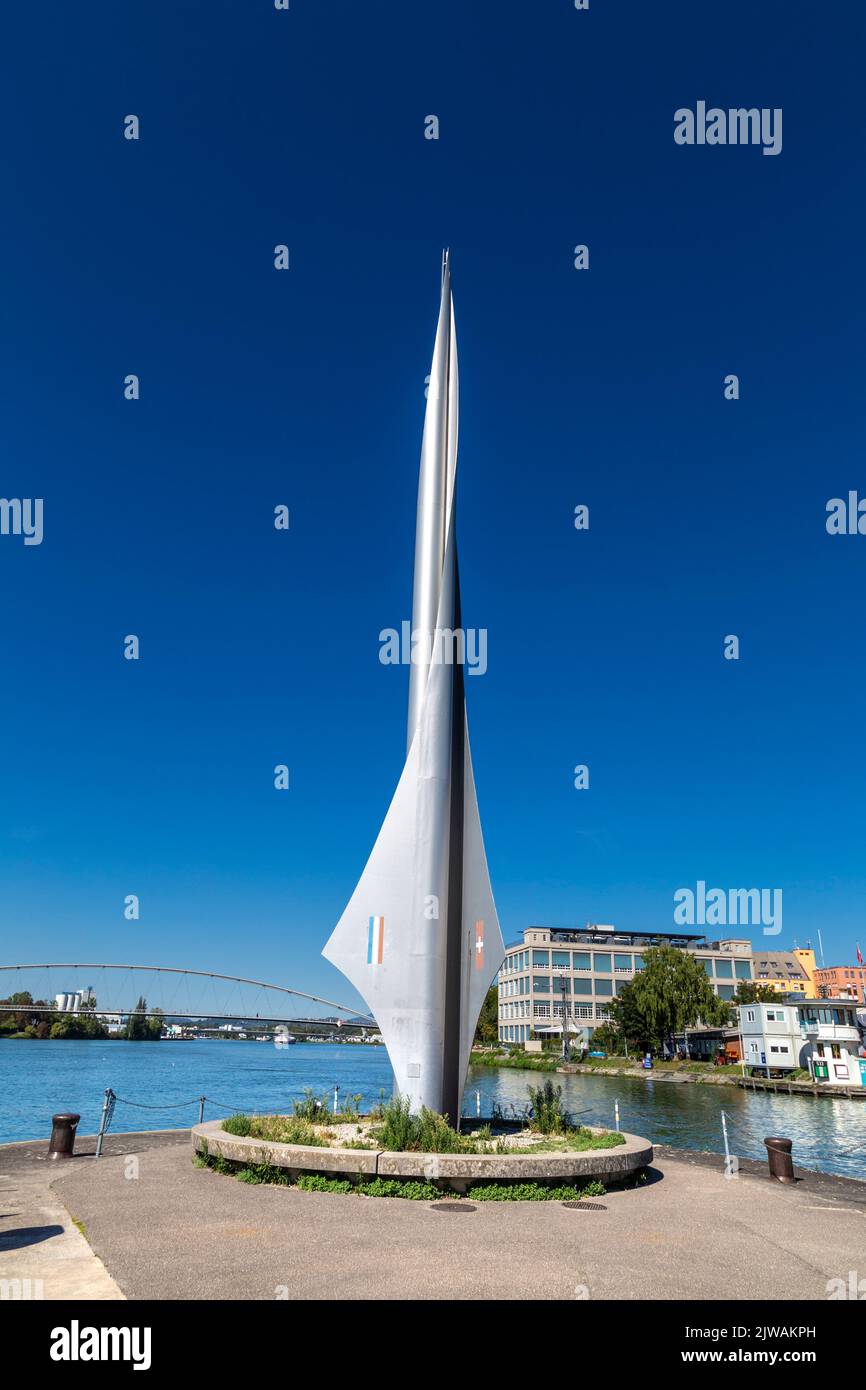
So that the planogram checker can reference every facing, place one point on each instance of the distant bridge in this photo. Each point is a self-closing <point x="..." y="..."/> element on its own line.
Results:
<point x="243" y="1000"/>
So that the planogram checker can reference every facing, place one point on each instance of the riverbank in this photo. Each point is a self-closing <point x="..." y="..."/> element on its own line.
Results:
<point x="170" y="1230"/>
<point x="699" y="1072"/>
<point x="682" y="1075"/>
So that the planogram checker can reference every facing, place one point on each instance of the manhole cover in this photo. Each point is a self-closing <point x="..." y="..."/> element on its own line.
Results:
<point x="585" y="1206"/>
<point x="452" y="1206"/>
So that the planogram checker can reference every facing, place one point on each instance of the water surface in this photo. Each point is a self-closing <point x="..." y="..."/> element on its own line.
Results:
<point x="163" y="1080"/>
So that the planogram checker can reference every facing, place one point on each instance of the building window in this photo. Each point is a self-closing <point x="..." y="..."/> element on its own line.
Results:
<point x="750" y="1015"/>
<point x="583" y="986"/>
<point x="541" y="984"/>
<point x="638" y="962"/>
<point x="724" y="969"/>
<point x="622" y="963"/>
<point x="603" y="989"/>
<point x="562" y="960"/>
<point x="581" y="960"/>
<point x="541" y="958"/>
<point x="601" y="963"/>
<point x="743" y="969"/>
<point x="725" y="991"/>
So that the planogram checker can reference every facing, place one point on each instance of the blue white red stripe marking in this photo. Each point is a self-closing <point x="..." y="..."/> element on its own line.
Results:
<point x="375" y="940"/>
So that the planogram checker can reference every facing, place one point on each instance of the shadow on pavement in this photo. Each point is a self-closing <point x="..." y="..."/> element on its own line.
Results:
<point x="27" y="1235"/>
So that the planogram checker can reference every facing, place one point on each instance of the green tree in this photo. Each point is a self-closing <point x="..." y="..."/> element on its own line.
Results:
<point x="488" y="1020"/>
<point x="671" y="993"/>
<point x="80" y="1025"/>
<point x="754" y="992"/>
<point x="25" y="1015"/>
<point x="137" y="1024"/>
<point x="155" y="1025"/>
<point x="608" y="1037"/>
<point x="628" y="1020"/>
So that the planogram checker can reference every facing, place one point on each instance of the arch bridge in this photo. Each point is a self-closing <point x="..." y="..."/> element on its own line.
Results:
<point x="203" y="997"/>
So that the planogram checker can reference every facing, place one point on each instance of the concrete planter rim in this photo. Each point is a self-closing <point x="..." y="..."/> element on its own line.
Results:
<point x="619" y="1162"/>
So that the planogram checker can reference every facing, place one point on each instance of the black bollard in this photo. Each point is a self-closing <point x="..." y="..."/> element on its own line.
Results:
<point x="62" y="1142"/>
<point x="779" y="1159"/>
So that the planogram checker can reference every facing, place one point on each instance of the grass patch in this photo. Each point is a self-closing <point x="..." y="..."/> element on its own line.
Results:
<point x="407" y="1189"/>
<point x="398" y="1130"/>
<point x="263" y="1173"/>
<point x="532" y="1192"/>
<point x="395" y="1187"/>
<point x="281" y="1129"/>
<point x="520" y="1061"/>
<point x="572" y="1141"/>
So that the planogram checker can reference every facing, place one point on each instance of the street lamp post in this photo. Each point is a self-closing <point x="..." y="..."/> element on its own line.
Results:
<point x="566" y="1052"/>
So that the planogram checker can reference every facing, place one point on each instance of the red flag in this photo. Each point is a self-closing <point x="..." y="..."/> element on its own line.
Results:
<point x="859" y="957"/>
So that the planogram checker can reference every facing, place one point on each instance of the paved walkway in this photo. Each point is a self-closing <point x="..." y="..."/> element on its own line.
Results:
<point x="165" y="1229"/>
<point x="43" y="1253"/>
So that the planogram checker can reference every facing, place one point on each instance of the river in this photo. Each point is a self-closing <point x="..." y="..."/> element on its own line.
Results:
<point x="164" y="1079"/>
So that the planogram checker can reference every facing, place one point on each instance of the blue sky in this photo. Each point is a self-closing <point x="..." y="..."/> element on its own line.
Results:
<point x="306" y="388"/>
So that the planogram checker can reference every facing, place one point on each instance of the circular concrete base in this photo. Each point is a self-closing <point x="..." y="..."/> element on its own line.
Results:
<point x="455" y="1171"/>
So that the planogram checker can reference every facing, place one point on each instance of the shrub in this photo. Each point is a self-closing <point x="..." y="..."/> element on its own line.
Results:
<point x="548" y="1116"/>
<point x="240" y="1125"/>
<point x="310" y="1108"/>
<point x="399" y="1131"/>
<point x="350" y="1109"/>
<point x="398" y="1125"/>
<point x="435" y="1135"/>
<point x="393" y="1187"/>
<point x="263" y="1172"/>
<point x="315" y="1182"/>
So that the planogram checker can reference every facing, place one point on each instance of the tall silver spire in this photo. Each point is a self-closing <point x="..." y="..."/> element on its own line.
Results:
<point x="420" y="938"/>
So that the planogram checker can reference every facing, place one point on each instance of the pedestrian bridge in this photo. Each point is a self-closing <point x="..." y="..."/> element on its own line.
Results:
<point x="180" y="994"/>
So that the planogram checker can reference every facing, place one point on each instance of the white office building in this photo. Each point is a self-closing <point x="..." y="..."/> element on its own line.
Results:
<point x="563" y="978"/>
